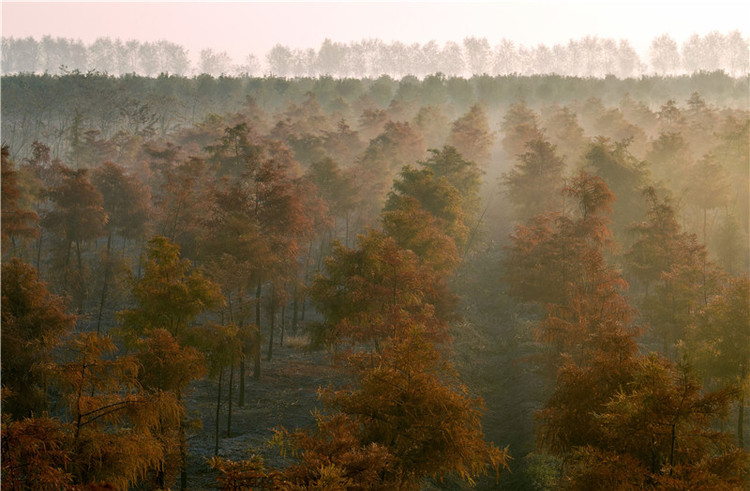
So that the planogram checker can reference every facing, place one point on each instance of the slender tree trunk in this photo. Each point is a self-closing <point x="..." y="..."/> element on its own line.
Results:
<point x="295" y="311"/>
<point x="671" y="451"/>
<point x="229" y="402"/>
<point x="140" y="258"/>
<point x="241" y="398"/>
<point x="283" y="322"/>
<point x="183" y="445"/>
<point x="272" y="321"/>
<point x="741" y="413"/>
<point x="105" y="285"/>
<point x="218" y="413"/>
<point x="256" y="345"/>
<point x="346" y="236"/>
<point x="741" y="423"/>
<point x="78" y="258"/>
<point x="272" y="316"/>
<point x="39" y="250"/>
<point x="67" y="263"/>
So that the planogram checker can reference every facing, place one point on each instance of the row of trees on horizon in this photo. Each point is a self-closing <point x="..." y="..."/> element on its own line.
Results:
<point x="589" y="56"/>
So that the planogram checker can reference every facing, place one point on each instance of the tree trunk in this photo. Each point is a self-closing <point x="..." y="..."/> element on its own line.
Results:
<point x="283" y="327"/>
<point x="295" y="310"/>
<point x="218" y="413"/>
<point x="78" y="258"/>
<point x="183" y="446"/>
<point x="256" y="346"/>
<point x="269" y="355"/>
<point x="741" y="423"/>
<point x="241" y="399"/>
<point x="103" y="299"/>
<point x="229" y="402"/>
<point x="346" y="236"/>
<point x="741" y="413"/>
<point x="39" y="250"/>
<point x="671" y="451"/>
<point x="272" y="318"/>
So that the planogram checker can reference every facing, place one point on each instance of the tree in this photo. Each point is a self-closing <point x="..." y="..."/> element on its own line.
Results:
<point x="461" y="172"/>
<point x="35" y="454"/>
<point x="33" y="323"/>
<point x="669" y="265"/>
<point x="565" y="133"/>
<point x="126" y="206"/>
<point x="655" y="432"/>
<point x="214" y="63"/>
<point x="17" y="222"/>
<point x="707" y="187"/>
<point x="419" y="231"/>
<point x="367" y="294"/>
<point x="279" y="60"/>
<point x="112" y="420"/>
<point x="78" y="216"/>
<point x="222" y="348"/>
<point x="624" y="175"/>
<point x="519" y="126"/>
<point x="533" y="185"/>
<point x="556" y="254"/>
<point x="435" y="195"/>
<point x="179" y="202"/>
<point x="719" y="340"/>
<point x="617" y="417"/>
<point x="169" y="295"/>
<point x="664" y="55"/>
<point x="669" y="155"/>
<point x="471" y="136"/>
<point x="408" y="403"/>
<point x="166" y="366"/>
<point x="399" y="144"/>
<point x="336" y="187"/>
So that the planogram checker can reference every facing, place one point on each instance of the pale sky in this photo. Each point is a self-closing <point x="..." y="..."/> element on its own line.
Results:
<point x="240" y="28"/>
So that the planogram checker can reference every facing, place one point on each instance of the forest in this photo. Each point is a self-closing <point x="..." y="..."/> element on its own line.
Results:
<point x="500" y="281"/>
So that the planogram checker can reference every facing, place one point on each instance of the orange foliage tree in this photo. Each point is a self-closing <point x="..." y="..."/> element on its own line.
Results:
<point x="615" y="417"/>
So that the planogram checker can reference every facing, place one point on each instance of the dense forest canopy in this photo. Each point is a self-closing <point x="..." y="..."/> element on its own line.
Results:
<point x="416" y="280"/>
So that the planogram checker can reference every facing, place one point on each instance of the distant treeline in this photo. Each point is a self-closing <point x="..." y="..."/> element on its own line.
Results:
<point x="590" y="56"/>
<point x="47" y="108"/>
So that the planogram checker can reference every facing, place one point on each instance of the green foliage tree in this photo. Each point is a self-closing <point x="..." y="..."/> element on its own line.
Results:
<point x="169" y="295"/>
<point x="520" y="126"/>
<point x="625" y="176"/>
<point x="671" y="268"/>
<point x="719" y="341"/>
<point x="534" y="183"/>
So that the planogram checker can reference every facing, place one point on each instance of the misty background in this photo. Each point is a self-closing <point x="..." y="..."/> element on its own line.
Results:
<point x="589" y="56"/>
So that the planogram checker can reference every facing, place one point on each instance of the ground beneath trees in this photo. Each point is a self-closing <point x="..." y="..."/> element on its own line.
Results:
<point x="286" y="395"/>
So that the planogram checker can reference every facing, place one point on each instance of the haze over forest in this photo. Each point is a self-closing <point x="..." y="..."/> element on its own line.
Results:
<point x="377" y="264"/>
<point x="588" y="56"/>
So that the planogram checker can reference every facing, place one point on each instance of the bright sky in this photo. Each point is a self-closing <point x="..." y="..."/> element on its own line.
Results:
<point x="240" y="28"/>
